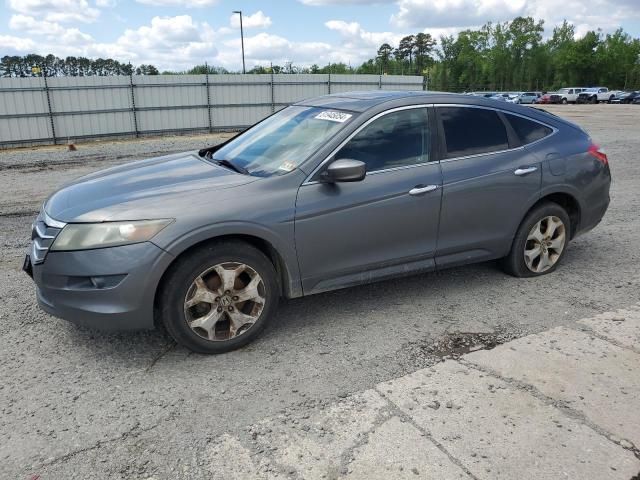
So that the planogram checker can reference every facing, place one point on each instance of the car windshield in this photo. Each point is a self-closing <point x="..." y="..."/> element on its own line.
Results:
<point x="590" y="90"/>
<point x="563" y="90"/>
<point x="283" y="141"/>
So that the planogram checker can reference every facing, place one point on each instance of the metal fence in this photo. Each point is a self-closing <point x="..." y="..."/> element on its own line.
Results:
<point x="57" y="109"/>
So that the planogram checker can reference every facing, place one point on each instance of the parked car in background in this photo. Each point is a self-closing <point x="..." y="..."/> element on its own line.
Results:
<point x="550" y="98"/>
<point x="483" y="94"/>
<point x="501" y="97"/>
<point x="636" y="100"/>
<point x="595" y="95"/>
<point x="328" y="193"/>
<point x="626" y="97"/>
<point x="570" y="94"/>
<point x="528" y="97"/>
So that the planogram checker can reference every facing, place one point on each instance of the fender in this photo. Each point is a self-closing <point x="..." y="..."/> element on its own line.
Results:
<point x="285" y="249"/>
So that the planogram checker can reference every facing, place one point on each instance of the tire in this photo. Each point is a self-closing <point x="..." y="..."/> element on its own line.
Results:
<point x="611" y="98"/>
<point x="515" y="264"/>
<point x="594" y="100"/>
<point x="195" y="280"/>
<point x="564" y="101"/>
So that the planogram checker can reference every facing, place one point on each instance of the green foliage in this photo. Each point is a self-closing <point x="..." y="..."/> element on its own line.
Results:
<point x="512" y="56"/>
<point x="51" y="66"/>
<point x="502" y="56"/>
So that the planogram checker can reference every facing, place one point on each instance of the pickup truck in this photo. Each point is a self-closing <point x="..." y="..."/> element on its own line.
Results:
<point x="570" y="94"/>
<point x="595" y="95"/>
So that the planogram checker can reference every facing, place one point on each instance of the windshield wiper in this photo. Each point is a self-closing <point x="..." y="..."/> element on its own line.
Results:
<point x="230" y="165"/>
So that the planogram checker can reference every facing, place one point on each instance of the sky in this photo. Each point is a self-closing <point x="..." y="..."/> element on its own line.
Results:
<point x="177" y="34"/>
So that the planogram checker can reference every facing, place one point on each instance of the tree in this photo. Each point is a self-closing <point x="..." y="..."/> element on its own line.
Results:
<point x="423" y="46"/>
<point x="406" y="47"/>
<point x="384" y="54"/>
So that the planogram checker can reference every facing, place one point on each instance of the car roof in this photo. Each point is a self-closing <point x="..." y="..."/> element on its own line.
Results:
<point x="360" y="101"/>
<point x="379" y="100"/>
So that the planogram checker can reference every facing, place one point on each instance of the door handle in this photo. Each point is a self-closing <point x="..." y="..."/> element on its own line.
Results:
<point x="525" y="171"/>
<point x="419" y="190"/>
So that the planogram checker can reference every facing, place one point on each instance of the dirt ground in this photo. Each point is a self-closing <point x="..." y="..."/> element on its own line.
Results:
<point x="136" y="406"/>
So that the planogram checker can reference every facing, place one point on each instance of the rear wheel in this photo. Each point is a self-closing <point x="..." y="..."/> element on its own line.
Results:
<point x="540" y="242"/>
<point x="219" y="298"/>
<point x="594" y="99"/>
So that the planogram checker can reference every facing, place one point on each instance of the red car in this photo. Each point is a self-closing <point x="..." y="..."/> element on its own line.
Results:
<point x="550" y="98"/>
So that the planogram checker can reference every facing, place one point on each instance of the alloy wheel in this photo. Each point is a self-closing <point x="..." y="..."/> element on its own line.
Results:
<point x="224" y="301"/>
<point x="545" y="243"/>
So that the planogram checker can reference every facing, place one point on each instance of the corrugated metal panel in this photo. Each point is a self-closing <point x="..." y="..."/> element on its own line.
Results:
<point x="153" y="120"/>
<point x="234" y="101"/>
<point x="181" y="90"/>
<point x="23" y="129"/>
<point x="238" y="116"/>
<point x="70" y="126"/>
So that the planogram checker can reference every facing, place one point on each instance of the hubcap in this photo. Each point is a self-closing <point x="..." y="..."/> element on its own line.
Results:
<point x="544" y="244"/>
<point x="224" y="301"/>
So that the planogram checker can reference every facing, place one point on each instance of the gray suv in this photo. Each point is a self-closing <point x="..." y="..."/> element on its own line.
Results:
<point x="331" y="192"/>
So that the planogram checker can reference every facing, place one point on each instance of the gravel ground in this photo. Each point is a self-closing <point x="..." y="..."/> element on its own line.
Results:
<point x="137" y="406"/>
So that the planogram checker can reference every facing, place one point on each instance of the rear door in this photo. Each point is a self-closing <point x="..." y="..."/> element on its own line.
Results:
<point x="489" y="180"/>
<point x="386" y="224"/>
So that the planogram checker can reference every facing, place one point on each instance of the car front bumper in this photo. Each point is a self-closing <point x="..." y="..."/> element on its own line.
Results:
<point x="107" y="289"/>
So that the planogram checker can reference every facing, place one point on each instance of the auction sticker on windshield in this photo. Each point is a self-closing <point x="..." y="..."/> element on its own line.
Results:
<point x="333" y="116"/>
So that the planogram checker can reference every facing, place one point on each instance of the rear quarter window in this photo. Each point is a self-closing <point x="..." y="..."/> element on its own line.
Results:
<point x="528" y="131"/>
<point x="471" y="131"/>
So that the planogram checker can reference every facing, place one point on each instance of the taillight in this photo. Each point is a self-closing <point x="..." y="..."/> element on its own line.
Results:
<point x="597" y="152"/>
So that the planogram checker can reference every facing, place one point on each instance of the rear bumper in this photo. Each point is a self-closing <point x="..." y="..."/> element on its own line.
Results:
<point x="105" y="289"/>
<point x="593" y="216"/>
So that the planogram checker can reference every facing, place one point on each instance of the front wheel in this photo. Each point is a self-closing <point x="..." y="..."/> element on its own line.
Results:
<point x="219" y="297"/>
<point x="540" y="242"/>
<point x="564" y="101"/>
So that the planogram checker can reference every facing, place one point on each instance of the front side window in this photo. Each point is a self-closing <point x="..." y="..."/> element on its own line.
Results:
<point x="527" y="130"/>
<point x="472" y="131"/>
<point x="396" y="139"/>
<point x="283" y="141"/>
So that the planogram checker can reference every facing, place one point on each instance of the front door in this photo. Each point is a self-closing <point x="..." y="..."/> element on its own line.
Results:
<point x="386" y="224"/>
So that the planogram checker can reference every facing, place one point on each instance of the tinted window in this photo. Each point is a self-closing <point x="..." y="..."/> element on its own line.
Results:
<point x="528" y="130"/>
<point x="470" y="131"/>
<point x="393" y="140"/>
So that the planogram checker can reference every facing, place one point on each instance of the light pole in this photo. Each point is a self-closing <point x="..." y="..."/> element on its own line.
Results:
<point x="239" y="12"/>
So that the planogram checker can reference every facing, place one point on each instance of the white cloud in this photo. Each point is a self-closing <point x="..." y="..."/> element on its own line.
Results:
<point x="179" y="3"/>
<point x="9" y="43"/>
<point x="106" y="3"/>
<point x="455" y="13"/>
<point x="257" y="20"/>
<point x="263" y="48"/>
<point x="316" y="3"/>
<point x="174" y="43"/>
<point x="357" y="44"/>
<point x="168" y="42"/>
<point x="51" y="30"/>
<point x="428" y="15"/>
<point x="57" y="10"/>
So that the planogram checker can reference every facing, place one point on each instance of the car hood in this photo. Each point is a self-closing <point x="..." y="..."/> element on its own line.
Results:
<point x="150" y="188"/>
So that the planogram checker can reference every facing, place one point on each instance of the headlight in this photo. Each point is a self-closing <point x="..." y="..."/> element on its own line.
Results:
<point x="83" y="236"/>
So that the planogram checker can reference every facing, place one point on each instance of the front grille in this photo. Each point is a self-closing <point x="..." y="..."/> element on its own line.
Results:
<point x="44" y="232"/>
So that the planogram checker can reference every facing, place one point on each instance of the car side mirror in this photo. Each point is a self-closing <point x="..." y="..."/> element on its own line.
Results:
<point x="345" y="170"/>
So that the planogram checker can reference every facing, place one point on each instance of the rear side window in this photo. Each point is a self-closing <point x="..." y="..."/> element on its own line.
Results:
<point x="528" y="131"/>
<point x="470" y="131"/>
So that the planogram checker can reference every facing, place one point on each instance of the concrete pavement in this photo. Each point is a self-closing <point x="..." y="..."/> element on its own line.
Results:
<point x="564" y="403"/>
